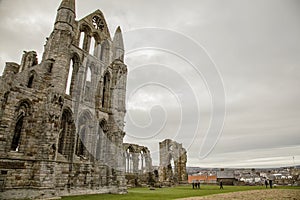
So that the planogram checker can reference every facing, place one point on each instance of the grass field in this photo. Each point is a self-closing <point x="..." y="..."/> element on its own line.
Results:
<point x="169" y="193"/>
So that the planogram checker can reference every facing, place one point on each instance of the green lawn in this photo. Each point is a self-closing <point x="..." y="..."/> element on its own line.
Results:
<point x="169" y="193"/>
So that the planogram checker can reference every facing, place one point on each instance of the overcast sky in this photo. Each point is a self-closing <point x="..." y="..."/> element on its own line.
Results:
<point x="187" y="58"/>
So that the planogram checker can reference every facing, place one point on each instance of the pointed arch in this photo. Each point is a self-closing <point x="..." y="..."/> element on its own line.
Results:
<point x="103" y="128"/>
<point x="142" y="161"/>
<point x="17" y="133"/>
<point x="98" y="96"/>
<point x="171" y="165"/>
<point x="84" y="122"/>
<point x="81" y="39"/>
<point x="88" y="77"/>
<point x="129" y="152"/>
<point x="92" y="46"/>
<point x="84" y="37"/>
<point x="88" y="83"/>
<point x="67" y="134"/>
<point x="31" y="78"/>
<point x="23" y="111"/>
<point x="106" y="90"/>
<point x="73" y="72"/>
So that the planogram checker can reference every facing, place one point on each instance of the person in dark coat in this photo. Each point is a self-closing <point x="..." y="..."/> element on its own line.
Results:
<point x="270" y="183"/>
<point x="221" y="184"/>
<point x="197" y="184"/>
<point x="266" y="183"/>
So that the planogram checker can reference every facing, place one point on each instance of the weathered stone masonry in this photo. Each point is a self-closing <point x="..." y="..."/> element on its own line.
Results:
<point x="62" y="120"/>
<point x="138" y="165"/>
<point x="172" y="167"/>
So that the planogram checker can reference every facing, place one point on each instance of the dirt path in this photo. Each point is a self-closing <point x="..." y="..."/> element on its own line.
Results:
<point x="274" y="194"/>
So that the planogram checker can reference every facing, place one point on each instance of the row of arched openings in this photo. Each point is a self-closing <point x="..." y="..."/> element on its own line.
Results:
<point x="67" y="133"/>
<point x="130" y="160"/>
<point x="103" y="91"/>
<point x="91" y="43"/>
<point x="88" y="140"/>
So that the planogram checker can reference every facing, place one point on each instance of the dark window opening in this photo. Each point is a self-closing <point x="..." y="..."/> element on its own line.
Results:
<point x="30" y="81"/>
<point x="50" y="68"/>
<point x="17" y="134"/>
<point x="3" y="172"/>
<point x="106" y="91"/>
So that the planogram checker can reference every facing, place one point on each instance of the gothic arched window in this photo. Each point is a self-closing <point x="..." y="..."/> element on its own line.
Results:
<point x="31" y="79"/>
<point x="92" y="46"/>
<point x="22" y="111"/>
<point x="72" y="75"/>
<point x="129" y="160"/>
<point x="17" y="134"/>
<point x="84" y="131"/>
<point x="66" y="135"/>
<point x="81" y="40"/>
<point x="106" y="91"/>
<point x="100" y="136"/>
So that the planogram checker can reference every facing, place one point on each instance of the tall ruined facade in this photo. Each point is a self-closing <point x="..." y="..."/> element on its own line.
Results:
<point x="62" y="120"/>
<point x="172" y="163"/>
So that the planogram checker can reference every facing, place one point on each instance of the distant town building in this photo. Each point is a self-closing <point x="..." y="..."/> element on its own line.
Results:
<point x="206" y="179"/>
<point x="227" y="177"/>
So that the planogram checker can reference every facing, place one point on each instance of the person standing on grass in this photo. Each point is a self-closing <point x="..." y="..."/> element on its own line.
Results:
<point x="266" y="183"/>
<point x="270" y="183"/>
<point x="221" y="184"/>
<point x="193" y="184"/>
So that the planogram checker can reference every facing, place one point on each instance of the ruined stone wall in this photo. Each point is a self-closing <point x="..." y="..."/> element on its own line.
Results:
<point x="138" y="164"/>
<point x="172" y="167"/>
<point x="62" y="120"/>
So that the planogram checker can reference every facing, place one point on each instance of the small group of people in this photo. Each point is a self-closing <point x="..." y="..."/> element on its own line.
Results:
<point x="270" y="182"/>
<point x="196" y="184"/>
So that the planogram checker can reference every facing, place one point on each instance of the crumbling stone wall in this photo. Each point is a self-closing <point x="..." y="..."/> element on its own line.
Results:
<point x="138" y="164"/>
<point x="172" y="167"/>
<point x="62" y="120"/>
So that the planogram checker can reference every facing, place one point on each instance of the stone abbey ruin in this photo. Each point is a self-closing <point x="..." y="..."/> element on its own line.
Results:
<point x="172" y="159"/>
<point x="65" y="137"/>
<point x="138" y="164"/>
<point x="62" y="119"/>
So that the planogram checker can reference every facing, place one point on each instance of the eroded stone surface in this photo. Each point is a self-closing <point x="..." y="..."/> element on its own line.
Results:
<point x="172" y="167"/>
